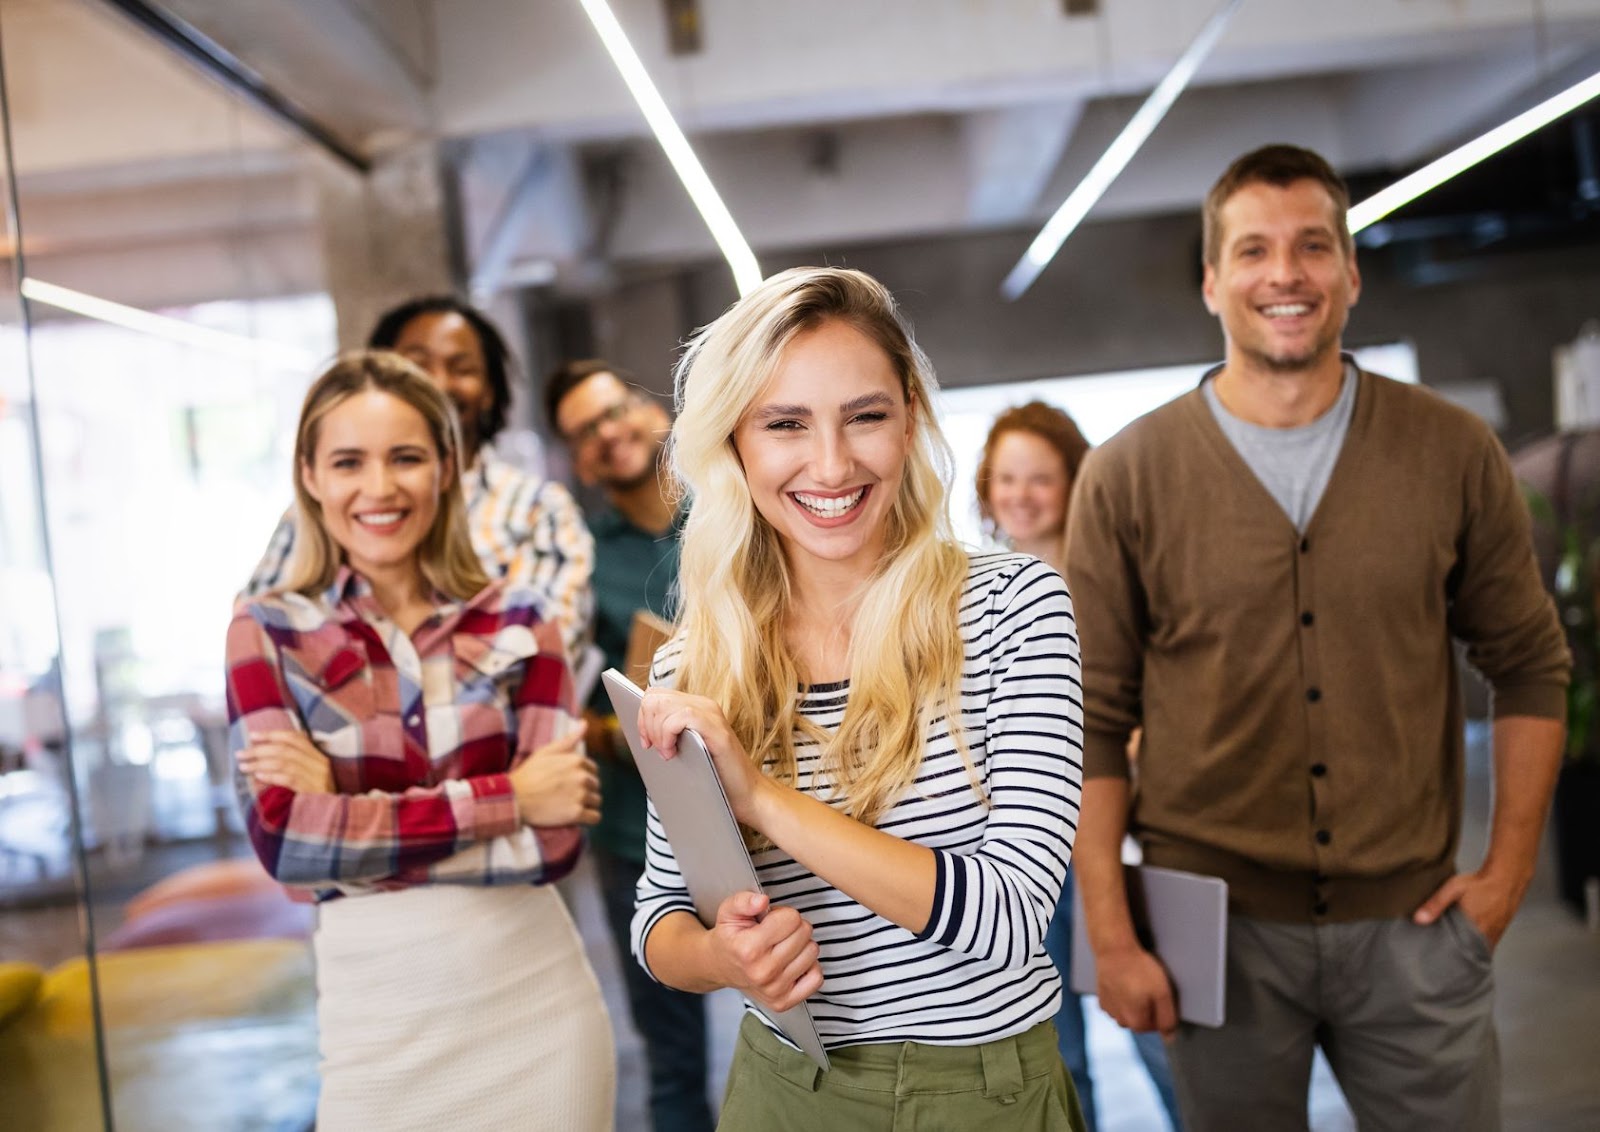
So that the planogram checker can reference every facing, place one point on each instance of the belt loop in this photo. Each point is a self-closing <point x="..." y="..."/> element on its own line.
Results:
<point x="1002" y="1070"/>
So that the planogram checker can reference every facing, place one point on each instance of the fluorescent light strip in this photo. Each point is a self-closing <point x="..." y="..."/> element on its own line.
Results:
<point x="1457" y="161"/>
<point x="746" y="272"/>
<point x="254" y="350"/>
<point x="1116" y="157"/>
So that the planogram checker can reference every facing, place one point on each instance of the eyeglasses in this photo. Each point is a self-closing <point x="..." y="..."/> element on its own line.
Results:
<point x="590" y="428"/>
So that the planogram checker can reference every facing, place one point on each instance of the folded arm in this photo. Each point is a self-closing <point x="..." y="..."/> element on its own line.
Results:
<point x="468" y="830"/>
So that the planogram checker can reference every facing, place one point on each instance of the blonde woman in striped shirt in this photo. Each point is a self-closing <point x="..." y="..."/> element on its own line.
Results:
<point x="896" y="722"/>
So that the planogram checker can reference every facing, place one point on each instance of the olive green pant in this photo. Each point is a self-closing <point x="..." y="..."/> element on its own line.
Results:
<point x="1011" y="1085"/>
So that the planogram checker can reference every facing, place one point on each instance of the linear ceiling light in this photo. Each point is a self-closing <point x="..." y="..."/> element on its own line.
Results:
<point x="1116" y="157"/>
<point x="254" y="350"/>
<point x="746" y="272"/>
<point x="1436" y="173"/>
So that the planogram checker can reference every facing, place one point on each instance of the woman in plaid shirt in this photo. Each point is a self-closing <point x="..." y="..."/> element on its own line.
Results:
<point x="524" y="527"/>
<point x="408" y="752"/>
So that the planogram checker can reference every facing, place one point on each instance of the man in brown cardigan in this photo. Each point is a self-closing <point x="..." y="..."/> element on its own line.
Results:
<point x="1268" y="575"/>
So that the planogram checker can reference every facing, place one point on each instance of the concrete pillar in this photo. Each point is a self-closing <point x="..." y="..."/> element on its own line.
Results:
<point x="388" y="235"/>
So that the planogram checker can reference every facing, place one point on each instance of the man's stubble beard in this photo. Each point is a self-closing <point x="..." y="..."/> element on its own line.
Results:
<point x="653" y="469"/>
<point x="1288" y="366"/>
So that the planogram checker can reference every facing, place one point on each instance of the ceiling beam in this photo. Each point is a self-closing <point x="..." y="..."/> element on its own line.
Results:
<point x="228" y="69"/>
<point x="1011" y="154"/>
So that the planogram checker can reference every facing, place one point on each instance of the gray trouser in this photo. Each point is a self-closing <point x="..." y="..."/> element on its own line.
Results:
<point x="1403" y="1014"/>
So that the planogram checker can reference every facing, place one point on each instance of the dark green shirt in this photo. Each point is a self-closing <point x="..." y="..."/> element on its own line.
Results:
<point x="633" y="570"/>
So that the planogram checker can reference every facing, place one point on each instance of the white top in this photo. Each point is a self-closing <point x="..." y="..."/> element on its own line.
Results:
<point x="978" y="971"/>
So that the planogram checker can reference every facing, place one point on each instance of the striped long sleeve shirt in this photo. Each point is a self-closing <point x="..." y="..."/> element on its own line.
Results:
<point x="978" y="970"/>
<point x="421" y="732"/>
<point x="526" y="531"/>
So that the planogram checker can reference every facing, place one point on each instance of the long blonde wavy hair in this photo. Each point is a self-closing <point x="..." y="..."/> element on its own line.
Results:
<point x="445" y="555"/>
<point x="734" y="586"/>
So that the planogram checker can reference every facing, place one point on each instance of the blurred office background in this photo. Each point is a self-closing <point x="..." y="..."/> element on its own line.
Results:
<point x="266" y="175"/>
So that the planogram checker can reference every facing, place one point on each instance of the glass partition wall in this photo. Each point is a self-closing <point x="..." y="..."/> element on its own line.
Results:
<point x="52" y="1063"/>
<point x="157" y="978"/>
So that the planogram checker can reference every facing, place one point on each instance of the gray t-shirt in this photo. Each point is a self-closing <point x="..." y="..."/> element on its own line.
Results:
<point x="1292" y="463"/>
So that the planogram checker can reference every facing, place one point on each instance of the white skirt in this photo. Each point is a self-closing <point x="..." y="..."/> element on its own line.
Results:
<point x="449" y="1007"/>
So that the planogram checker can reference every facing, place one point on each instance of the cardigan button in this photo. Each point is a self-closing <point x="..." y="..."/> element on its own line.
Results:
<point x="1305" y="546"/>
<point x="1306" y="618"/>
<point x="1320" y="907"/>
<point x="1313" y="695"/>
<point x="1318" y="770"/>
<point x="1323" y="837"/>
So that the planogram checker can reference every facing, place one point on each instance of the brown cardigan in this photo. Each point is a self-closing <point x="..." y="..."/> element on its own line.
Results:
<point x="1299" y="695"/>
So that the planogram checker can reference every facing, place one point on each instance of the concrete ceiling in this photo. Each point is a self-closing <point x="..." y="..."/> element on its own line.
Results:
<point x="824" y="124"/>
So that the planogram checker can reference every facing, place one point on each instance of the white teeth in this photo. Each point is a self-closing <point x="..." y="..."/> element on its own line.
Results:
<point x="1282" y="310"/>
<point x="829" y="508"/>
<point x="380" y="518"/>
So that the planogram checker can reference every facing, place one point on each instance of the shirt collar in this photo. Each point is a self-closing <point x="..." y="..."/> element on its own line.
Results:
<point x="607" y="520"/>
<point x="350" y="596"/>
<point x="347" y="590"/>
<point x="476" y="478"/>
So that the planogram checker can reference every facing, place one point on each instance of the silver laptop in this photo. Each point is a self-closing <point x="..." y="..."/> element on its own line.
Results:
<point x="1183" y="918"/>
<point x="704" y="835"/>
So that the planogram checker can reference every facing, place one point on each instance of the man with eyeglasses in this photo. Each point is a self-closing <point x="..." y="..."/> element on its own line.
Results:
<point x="526" y="529"/>
<point x="616" y="435"/>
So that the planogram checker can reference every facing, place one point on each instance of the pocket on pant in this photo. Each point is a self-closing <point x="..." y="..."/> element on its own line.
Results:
<point x="1046" y="1104"/>
<point x="1468" y="935"/>
<point x="740" y="1097"/>
<point x="1066" y="1105"/>
<point x="758" y="1098"/>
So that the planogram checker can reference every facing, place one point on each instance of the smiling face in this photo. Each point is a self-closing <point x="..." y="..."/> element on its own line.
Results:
<point x="824" y="448"/>
<point x="446" y="347"/>
<point x="615" y="433"/>
<point x="1283" y="282"/>
<point x="378" y="476"/>
<point x="1028" y="488"/>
